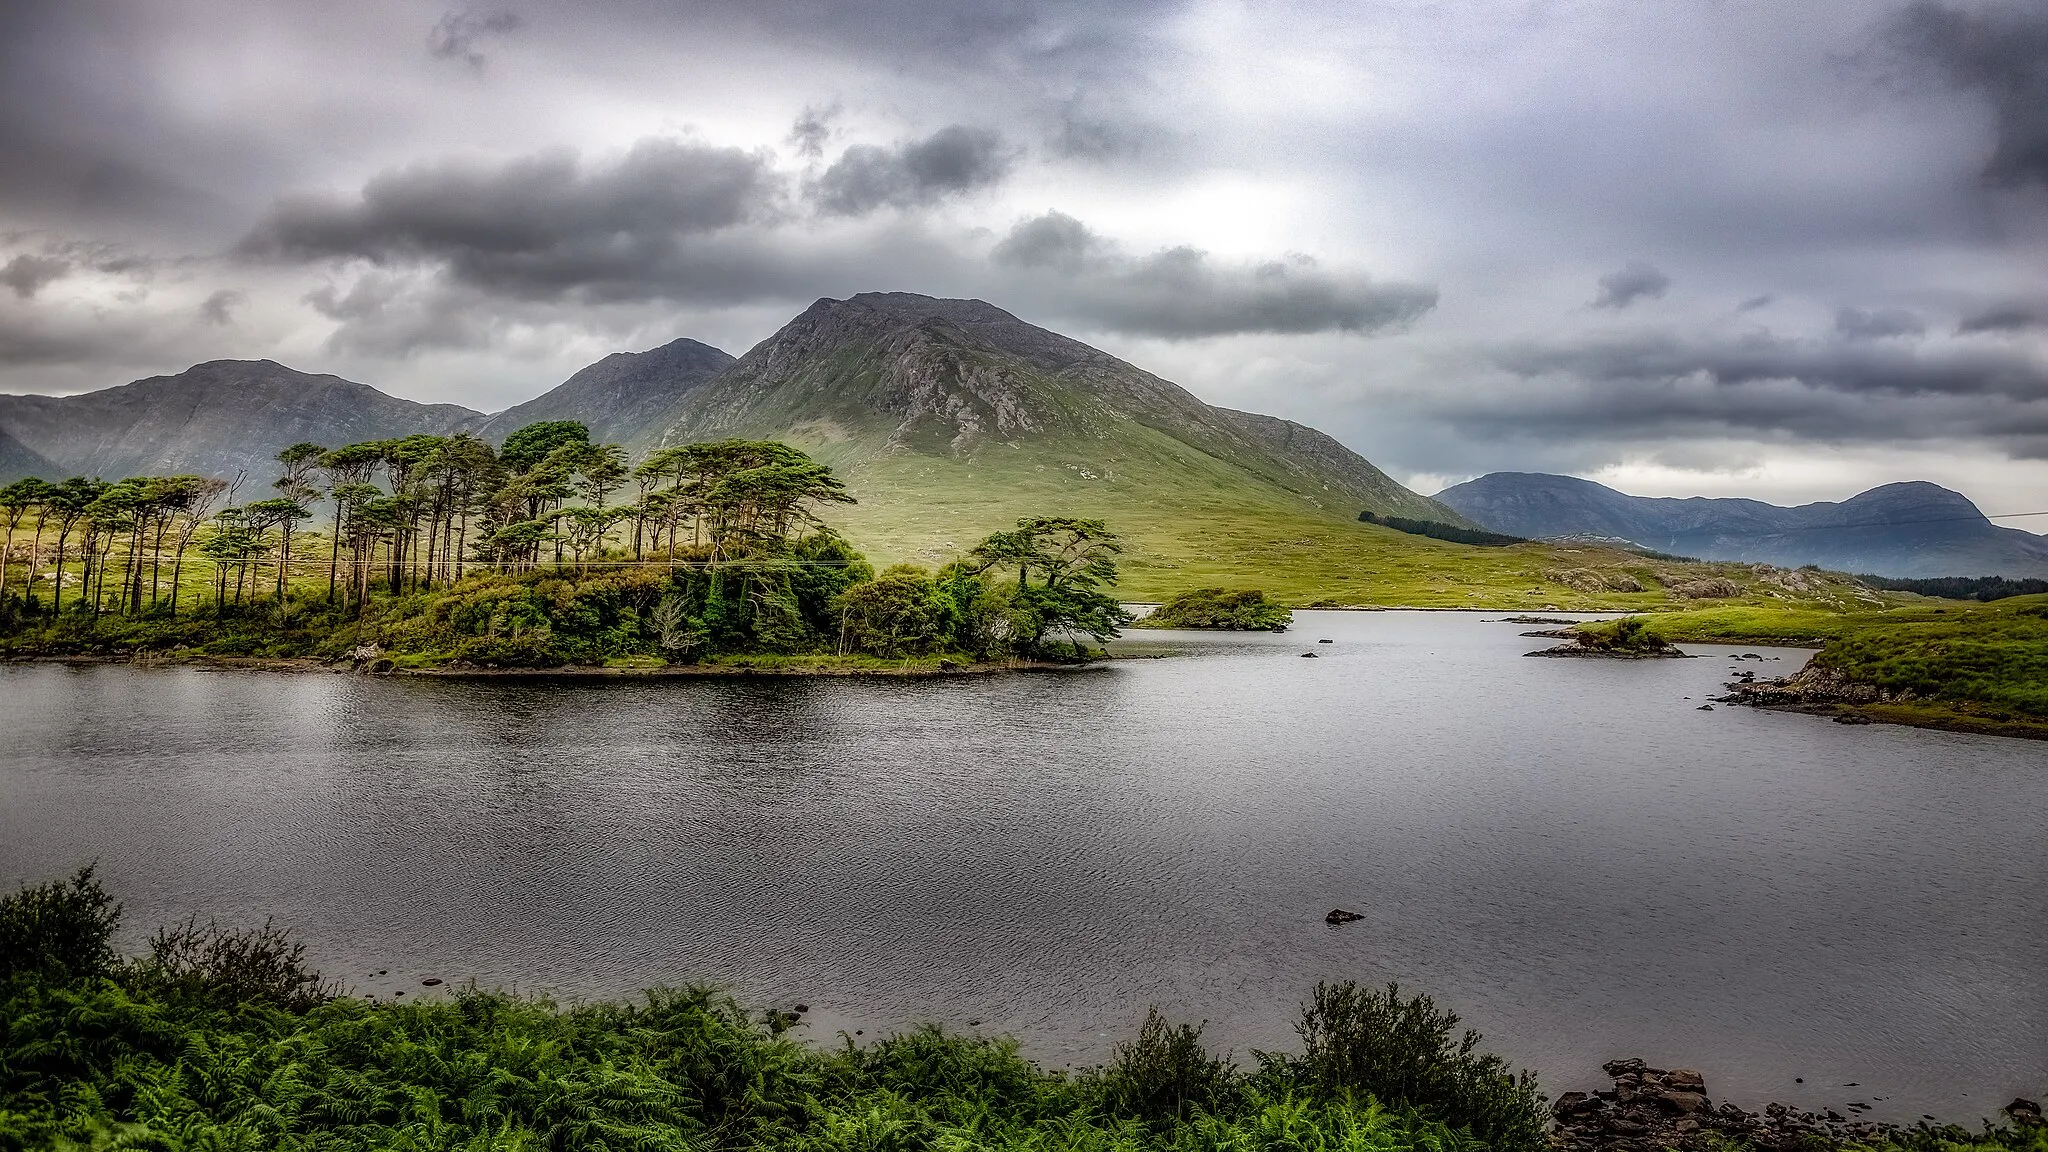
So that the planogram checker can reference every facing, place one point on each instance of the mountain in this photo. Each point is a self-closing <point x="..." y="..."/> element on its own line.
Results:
<point x="1913" y="529"/>
<point x="622" y="398"/>
<point x="951" y="417"/>
<point x="214" y="419"/>
<point x="18" y="460"/>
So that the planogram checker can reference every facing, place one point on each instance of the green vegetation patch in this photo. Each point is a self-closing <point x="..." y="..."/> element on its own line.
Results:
<point x="1989" y="658"/>
<point x="1245" y="610"/>
<point x="226" y="1039"/>
<point x="1437" y="530"/>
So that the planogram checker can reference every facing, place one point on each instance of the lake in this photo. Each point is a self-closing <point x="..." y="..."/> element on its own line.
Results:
<point x="1568" y="852"/>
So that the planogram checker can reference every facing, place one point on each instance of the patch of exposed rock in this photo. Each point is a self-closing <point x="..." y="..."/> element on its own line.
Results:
<point x="1815" y="687"/>
<point x="1651" y="1109"/>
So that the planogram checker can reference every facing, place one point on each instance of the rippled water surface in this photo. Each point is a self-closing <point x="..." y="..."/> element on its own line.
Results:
<point x="1569" y="852"/>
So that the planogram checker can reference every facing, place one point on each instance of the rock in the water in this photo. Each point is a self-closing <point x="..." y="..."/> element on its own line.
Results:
<point x="1326" y="640"/>
<point x="1341" y="916"/>
<point x="1852" y="718"/>
<point x="2024" y="1111"/>
<point x="430" y="981"/>
<point x="1308" y="655"/>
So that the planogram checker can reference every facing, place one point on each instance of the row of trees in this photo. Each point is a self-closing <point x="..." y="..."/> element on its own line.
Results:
<point x="724" y="543"/>
<point x="409" y="514"/>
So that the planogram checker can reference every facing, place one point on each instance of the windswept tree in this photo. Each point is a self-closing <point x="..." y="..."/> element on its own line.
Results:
<point x="70" y="502"/>
<point x="17" y="500"/>
<point x="348" y="466"/>
<point x="1073" y="560"/>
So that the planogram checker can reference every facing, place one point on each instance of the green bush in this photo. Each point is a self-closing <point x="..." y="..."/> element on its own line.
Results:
<point x="1165" y="1074"/>
<point x="1245" y="610"/>
<point x="1402" y="1052"/>
<point x="62" y="930"/>
<point x="900" y="613"/>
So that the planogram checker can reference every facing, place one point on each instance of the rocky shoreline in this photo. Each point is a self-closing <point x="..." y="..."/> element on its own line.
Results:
<point x="1654" y="1109"/>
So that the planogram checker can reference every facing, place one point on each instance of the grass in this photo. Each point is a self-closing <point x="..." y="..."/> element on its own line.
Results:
<point x="1191" y="521"/>
<point x="1956" y="664"/>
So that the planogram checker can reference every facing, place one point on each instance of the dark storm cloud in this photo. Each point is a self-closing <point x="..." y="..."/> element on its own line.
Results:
<point x="538" y="226"/>
<point x="218" y="308"/>
<point x="27" y="273"/>
<point x="2005" y="318"/>
<point x="1878" y="324"/>
<point x="2001" y="51"/>
<point x="458" y="35"/>
<point x="1632" y="282"/>
<point x="916" y="173"/>
<point x="1180" y="293"/>
<point x="1659" y="387"/>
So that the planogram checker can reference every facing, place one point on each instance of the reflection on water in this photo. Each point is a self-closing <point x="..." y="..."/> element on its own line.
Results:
<point x="1569" y="852"/>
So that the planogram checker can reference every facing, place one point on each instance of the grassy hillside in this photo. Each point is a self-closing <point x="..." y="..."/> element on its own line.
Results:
<point x="1192" y="521"/>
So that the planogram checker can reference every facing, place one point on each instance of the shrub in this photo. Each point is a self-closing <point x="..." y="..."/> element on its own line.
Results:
<point x="1244" y="610"/>
<point x="1165" y="1074"/>
<point x="1402" y="1052"/>
<point x="900" y="613"/>
<point x="221" y="968"/>
<point x="62" y="930"/>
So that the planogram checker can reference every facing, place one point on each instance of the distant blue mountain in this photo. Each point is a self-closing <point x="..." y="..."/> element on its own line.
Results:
<point x="1914" y="529"/>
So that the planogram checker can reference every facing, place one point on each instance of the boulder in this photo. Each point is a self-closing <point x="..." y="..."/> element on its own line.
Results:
<point x="1682" y="1103"/>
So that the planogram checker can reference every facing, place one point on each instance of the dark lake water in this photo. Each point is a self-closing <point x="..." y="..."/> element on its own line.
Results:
<point x="1568" y="852"/>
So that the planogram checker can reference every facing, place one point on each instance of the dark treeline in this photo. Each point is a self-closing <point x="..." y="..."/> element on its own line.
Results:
<point x="1986" y="588"/>
<point x="1437" y="530"/>
<point x="548" y="550"/>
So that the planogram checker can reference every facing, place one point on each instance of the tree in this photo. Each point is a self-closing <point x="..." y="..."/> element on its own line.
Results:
<point x="16" y="501"/>
<point x="536" y="442"/>
<point x="899" y="613"/>
<point x="71" y="501"/>
<point x="346" y="466"/>
<point x="1073" y="559"/>
<point x="280" y="512"/>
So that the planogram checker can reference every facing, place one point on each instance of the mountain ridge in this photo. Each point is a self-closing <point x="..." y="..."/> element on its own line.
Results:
<point x="1904" y="529"/>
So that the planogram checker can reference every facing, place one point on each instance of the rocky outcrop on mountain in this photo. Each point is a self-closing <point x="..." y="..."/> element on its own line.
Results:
<point x="624" y="398"/>
<point x="213" y="419"/>
<point x="1912" y="529"/>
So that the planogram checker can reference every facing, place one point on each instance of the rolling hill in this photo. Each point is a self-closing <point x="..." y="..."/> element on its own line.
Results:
<point x="1912" y="529"/>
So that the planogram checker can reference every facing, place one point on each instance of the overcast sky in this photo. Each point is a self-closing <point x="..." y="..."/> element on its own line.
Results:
<point x="1721" y="247"/>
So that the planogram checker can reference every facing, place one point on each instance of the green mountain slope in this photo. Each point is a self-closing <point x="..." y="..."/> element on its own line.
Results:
<point x="950" y="418"/>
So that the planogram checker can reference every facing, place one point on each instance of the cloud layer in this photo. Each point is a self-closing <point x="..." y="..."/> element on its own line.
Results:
<point x="1719" y="238"/>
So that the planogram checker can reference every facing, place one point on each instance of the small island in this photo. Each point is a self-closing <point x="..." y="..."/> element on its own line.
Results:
<point x="1218" y="609"/>
<point x="440" y="554"/>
